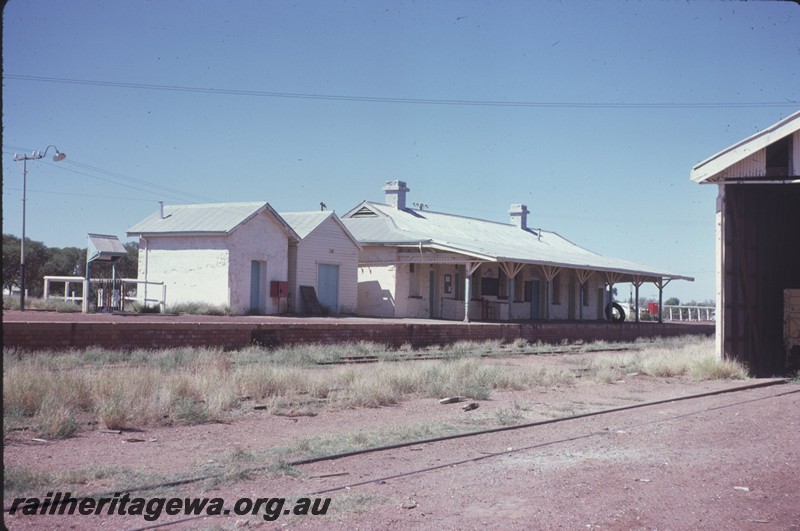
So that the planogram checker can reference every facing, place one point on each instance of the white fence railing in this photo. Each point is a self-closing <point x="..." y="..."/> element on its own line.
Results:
<point x="70" y="296"/>
<point x="689" y="313"/>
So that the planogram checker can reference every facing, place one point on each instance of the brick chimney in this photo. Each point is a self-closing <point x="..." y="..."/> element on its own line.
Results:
<point x="519" y="215"/>
<point x="396" y="194"/>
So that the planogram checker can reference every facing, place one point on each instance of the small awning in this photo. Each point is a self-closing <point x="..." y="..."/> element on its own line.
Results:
<point x="104" y="247"/>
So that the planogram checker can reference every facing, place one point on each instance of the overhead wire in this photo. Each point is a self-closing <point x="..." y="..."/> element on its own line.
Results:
<point x="414" y="101"/>
<point x="117" y="179"/>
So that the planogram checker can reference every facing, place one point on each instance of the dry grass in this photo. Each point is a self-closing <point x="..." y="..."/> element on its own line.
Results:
<point x="35" y="303"/>
<point x="53" y="392"/>
<point x="674" y="358"/>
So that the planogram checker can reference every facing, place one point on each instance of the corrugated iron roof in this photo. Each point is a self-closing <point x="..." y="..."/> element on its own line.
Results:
<point x="705" y="171"/>
<point x="105" y="247"/>
<point x="214" y="218"/>
<point x="482" y="239"/>
<point x="305" y="222"/>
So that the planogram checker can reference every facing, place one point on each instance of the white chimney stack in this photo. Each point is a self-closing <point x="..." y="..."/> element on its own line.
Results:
<point x="519" y="215"/>
<point x="161" y="209"/>
<point x="396" y="194"/>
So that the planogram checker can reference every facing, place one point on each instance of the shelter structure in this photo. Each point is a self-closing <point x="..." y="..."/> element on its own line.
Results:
<point x="758" y="246"/>
<point x="104" y="248"/>
<point x="325" y="259"/>
<point x="421" y="263"/>
<point x="230" y="254"/>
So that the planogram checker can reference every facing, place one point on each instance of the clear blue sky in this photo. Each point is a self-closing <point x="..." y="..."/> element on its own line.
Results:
<point x="614" y="179"/>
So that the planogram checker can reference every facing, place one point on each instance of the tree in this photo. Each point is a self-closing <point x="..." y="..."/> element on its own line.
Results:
<point x="41" y="260"/>
<point x="672" y="301"/>
<point x="66" y="261"/>
<point x="10" y="262"/>
<point x="36" y="256"/>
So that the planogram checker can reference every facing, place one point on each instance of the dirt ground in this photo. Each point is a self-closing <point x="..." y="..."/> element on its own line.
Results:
<point x="728" y="461"/>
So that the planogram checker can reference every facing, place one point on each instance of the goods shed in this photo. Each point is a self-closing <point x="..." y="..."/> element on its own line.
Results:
<point x="758" y="247"/>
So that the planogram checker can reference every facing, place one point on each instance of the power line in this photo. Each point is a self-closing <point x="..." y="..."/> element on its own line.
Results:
<point x="5" y="188"/>
<point x="134" y="179"/>
<point x="115" y="178"/>
<point x="414" y="101"/>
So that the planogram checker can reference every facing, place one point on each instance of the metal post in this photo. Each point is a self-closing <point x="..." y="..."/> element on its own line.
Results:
<point x="660" y="297"/>
<point x="87" y="287"/>
<point x="36" y="155"/>
<point x="22" y="243"/>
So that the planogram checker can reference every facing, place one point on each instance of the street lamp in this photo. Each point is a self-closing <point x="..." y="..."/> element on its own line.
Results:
<point x="36" y="155"/>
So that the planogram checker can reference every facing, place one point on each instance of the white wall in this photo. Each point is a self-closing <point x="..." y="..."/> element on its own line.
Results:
<point x="216" y="269"/>
<point x="327" y="244"/>
<point x="195" y="269"/>
<point x="260" y="238"/>
<point x="377" y="291"/>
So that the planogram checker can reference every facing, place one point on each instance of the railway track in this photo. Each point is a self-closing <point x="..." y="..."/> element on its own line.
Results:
<point x="475" y="435"/>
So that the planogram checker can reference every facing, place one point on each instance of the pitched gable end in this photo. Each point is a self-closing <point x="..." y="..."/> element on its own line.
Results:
<point x="364" y="212"/>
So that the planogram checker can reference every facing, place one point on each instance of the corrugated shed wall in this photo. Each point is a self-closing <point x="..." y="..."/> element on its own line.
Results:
<point x="753" y="166"/>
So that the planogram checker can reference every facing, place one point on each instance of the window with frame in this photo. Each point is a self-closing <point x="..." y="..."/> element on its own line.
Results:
<point x="585" y="291"/>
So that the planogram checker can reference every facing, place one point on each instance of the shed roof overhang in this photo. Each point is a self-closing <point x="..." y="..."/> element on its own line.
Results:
<point x="710" y="170"/>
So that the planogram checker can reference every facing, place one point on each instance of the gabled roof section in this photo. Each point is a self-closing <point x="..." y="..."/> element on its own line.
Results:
<point x="104" y="247"/>
<point x="709" y="169"/>
<point x="205" y="219"/>
<point x="304" y="223"/>
<point x="483" y="240"/>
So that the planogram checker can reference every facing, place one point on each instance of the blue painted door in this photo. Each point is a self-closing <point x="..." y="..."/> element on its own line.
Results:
<point x="255" y="285"/>
<point x="433" y="299"/>
<point x="328" y="287"/>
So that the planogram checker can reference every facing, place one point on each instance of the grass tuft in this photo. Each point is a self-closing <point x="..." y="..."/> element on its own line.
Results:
<point x="669" y="358"/>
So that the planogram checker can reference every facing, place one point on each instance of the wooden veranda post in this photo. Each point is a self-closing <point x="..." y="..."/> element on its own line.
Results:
<point x="549" y="273"/>
<point x="661" y="283"/>
<point x="511" y="270"/>
<point x="637" y="282"/>
<point x="469" y="269"/>
<point x="583" y="276"/>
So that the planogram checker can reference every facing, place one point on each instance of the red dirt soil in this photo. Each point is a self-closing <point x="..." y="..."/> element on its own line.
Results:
<point x="729" y="461"/>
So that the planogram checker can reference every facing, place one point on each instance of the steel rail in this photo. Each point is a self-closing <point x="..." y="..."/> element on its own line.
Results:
<point x="431" y="440"/>
<point x="514" y="450"/>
